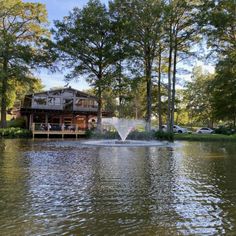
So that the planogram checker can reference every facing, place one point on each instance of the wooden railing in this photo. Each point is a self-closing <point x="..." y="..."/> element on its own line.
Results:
<point x="56" y="129"/>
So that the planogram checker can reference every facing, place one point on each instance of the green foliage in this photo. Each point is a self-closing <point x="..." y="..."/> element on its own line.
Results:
<point x="18" y="122"/>
<point x="103" y="135"/>
<point x="24" y="38"/>
<point x="219" y="21"/>
<point x="85" y="45"/>
<point x="14" y="133"/>
<point x="197" y="98"/>
<point x="88" y="133"/>
<point x="141" y="135"/>
<point x="223" y="89"/>
<point x="160" y="135"/>
<point x="134" y="135"/>
<point x="141" y="29"/>
<point x="205" y="137"/>
<point x="225" y="130"/>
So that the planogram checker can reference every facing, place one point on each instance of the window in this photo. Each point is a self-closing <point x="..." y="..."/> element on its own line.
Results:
<point x="54" y="101"/>
<point x="40" y="101"/>
<point x="86" y="103"/>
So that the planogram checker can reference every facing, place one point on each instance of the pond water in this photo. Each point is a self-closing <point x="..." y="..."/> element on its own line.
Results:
<point x="63" y="188"/>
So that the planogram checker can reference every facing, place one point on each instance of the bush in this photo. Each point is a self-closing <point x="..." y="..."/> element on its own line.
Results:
<point x="141" y="135"/>
<point x="224" y="130"/>
<point x="160" y="135"/>
<point x="134" y="135"/>
<point x="104" y="135"/>
<point x="18" y="122"/>
<point x="14" y="133"/>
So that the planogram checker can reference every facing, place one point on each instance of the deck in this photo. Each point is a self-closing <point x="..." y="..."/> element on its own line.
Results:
<point x="56" y="129"/>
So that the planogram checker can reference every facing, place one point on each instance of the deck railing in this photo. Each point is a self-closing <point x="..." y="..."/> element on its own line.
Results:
<point x="56" y="128"/>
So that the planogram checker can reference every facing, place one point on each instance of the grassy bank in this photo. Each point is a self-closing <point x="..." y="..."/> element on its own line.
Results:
<point x="13" y="132"/>
<point x="205" y="137"/>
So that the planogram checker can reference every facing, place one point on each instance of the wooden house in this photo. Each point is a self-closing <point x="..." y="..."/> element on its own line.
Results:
<point x="60" y="108"/>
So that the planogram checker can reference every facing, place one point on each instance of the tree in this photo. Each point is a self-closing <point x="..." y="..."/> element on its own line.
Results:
<point x="218" y="23"/>
<point x="223" y="89"/>
<point x="181" y="33"/>
<point x="17" y="89"/>
<point x="23" y="38"/>
<point x="84" y="41"/>
<point x="142" y="27"/>
<point x="198" y="98"/>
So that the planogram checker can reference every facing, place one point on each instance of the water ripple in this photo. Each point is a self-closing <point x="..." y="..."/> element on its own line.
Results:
<point x="63" y="188"/>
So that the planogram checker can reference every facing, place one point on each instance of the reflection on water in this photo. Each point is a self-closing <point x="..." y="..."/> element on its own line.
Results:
<point x="63" y="188"/>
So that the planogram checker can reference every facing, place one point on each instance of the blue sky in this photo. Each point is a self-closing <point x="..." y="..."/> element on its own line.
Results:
<point x="56" y="10"/>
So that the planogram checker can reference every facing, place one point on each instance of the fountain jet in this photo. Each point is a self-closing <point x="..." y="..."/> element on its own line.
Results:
<point x="123" y="126"/>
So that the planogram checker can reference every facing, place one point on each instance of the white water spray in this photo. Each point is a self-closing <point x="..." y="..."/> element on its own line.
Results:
<point x="123" y="126"/>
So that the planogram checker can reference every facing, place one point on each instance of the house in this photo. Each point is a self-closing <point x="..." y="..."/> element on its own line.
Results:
<point x="65" y="107"/>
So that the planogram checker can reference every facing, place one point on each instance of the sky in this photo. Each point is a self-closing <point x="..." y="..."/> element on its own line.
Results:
<point x="57" y="9"/>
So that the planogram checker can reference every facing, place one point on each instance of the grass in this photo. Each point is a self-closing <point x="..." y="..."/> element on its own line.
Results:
<point x="205" y="137"/>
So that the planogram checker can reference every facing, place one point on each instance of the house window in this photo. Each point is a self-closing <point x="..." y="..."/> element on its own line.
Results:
<point x="40" y="101"/>
<point x="54" y="101"/>
<point x="86" y="103"/>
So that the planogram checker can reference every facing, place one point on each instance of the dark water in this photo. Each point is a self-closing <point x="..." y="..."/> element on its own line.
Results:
<point x="62" y="188"/>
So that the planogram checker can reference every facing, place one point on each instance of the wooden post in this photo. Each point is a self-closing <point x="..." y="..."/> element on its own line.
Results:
<point x="76" y="131"/>
<point x="48" y="131"/>
<point x="87" y="122"/>
<point x="62" y="128"/>
<point x="31" y="120"/>
<point x="33" y="129"/>
<point x="46" y="118"/>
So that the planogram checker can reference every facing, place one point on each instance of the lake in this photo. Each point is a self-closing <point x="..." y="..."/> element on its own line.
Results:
<point x="60" y="187"/>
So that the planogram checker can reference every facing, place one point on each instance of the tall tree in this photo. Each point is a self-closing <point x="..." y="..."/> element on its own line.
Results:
<point x="181" y="33"/>
<point x="143" y="23"/>
<point x="218" y="20"/>
<point x="223" y="90"/>
<point x="218" y="24"/>
<point x="23" y="35"/>
<point x="17" y="89"/>
<point x="198" y="98"/>
<point x="85" y="44"/>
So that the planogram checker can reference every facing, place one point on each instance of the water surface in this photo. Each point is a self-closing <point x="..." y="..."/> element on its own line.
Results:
<point x="64" y="188"/>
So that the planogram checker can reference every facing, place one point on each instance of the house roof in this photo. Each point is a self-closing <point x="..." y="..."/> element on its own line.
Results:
<point x="66" y="89"/>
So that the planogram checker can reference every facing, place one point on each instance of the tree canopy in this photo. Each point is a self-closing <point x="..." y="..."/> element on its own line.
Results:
<point x="130" y="52"/>
<point x="85" y="45"/>
<point x="23" y="39"/>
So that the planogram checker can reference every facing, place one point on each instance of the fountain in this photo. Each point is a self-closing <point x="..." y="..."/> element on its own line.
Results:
<point x="123" y="127"/>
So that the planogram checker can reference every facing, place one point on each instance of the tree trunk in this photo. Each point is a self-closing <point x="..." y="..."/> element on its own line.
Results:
<point x="148" y="69"/>
<point x="169" y="126"/>
<point x="99" y="115"/>
<point x="120" y="90"/>
<point x="173" y="85"/>
<point x="159" y="112"/>
<point x="4" y="95"/>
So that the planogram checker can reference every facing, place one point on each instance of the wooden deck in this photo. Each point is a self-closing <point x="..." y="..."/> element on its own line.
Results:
<point x="76" y="132"/>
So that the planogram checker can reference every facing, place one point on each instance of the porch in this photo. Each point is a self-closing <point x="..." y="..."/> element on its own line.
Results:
<point x="53" y="129"/>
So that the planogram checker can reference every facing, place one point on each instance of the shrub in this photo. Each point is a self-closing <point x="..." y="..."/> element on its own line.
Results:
<point x="134" y="135"/>
<point x="224" y="130"/>
<point x="160" y="135"/>
<point x="18" y="122"/>
<point x="141" y="135"/>
<point x="14" y="133"/>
